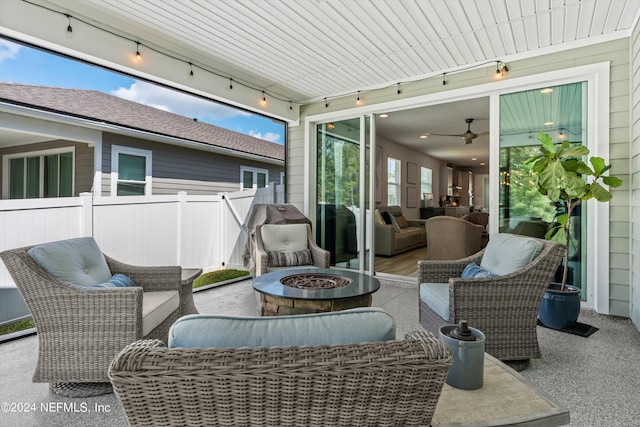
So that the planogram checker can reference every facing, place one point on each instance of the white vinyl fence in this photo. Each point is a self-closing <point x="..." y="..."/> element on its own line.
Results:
<point x="191" y="231"/>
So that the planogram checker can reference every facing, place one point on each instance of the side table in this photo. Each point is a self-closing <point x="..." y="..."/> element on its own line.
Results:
<point x="187" y="306"/>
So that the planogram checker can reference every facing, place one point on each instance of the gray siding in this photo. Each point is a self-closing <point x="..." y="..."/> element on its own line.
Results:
<point x="634" y="181"/>
<point x="617" y="52"/>
<point x="83" y="160"/>
<point x="181" y="169"/>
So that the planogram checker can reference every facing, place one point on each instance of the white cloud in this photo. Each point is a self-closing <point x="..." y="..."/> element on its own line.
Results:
<point x="176" y="102"/>
<point x="8" y="50"/>
<point x="269" y="136"/>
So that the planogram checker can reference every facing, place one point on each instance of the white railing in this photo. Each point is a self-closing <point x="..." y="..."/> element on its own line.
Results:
<point x="192" y="231"/>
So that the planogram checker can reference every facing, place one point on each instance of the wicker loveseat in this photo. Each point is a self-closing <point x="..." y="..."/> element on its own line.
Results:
<point x="232" y="371"/>
<point x="83" y="323"/>
<point x="500" y="295"/>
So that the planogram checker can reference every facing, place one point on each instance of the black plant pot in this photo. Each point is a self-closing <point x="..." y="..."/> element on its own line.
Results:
<point x="559" y="309"/>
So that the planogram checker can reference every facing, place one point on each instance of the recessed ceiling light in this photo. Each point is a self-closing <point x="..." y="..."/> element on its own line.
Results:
<point x="547" y="90"/>
<point x="384" y="115"/>
<point x="548" y="123"/>
<point x="425" y="136"/>
<point x="482" y="163"/>
<point x="474" y="158"/>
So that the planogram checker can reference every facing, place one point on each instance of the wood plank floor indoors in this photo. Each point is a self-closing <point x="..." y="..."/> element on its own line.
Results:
<point x="404" y="264"/>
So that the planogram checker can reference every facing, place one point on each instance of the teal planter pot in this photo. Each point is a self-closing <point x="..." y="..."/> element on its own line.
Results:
<point x="559" y="309"/>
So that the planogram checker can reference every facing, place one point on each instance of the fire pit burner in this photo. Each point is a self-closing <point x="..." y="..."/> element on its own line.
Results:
<point x="315" y="281"/>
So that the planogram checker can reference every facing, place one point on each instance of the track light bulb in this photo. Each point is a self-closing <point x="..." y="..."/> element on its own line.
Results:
<point x="358" y="98"/>
<point x="138" y="56"/>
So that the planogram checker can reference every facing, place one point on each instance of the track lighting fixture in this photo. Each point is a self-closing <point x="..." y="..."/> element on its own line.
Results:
<point x="326" y="104"/>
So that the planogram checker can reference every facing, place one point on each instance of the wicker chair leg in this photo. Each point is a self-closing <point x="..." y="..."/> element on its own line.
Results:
<point x="80" y="389"/>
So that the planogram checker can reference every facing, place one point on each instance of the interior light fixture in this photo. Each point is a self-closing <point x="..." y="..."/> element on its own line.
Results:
<point x="482" y="163"/>
<point x="424" y="136"/>
<point x="138" y="56"/>
<point x="383" y="115"/>
<point x="548" y="123"/>
<point x="474" y="158"/>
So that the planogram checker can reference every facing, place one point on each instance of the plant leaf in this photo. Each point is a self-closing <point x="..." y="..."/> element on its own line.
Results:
<point x="600" y="193"/>
<point x="547" y="142"/>
<point x="612" y="181"/>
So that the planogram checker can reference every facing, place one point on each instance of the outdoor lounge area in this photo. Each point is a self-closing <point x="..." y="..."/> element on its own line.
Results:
<point x="594" y="378"/>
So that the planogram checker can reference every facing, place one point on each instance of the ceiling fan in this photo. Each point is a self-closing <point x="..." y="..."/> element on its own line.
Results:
<point x="468" y="136"/>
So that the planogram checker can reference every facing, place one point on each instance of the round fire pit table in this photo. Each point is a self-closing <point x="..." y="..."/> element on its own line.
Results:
<point x="303" y="291"/>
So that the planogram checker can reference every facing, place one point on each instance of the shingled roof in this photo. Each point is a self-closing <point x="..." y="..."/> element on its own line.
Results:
<point x="100" y="107"/>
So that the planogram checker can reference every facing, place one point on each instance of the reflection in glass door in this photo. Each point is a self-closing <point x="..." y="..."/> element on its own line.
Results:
<point x="561" y="112"/>
<point x="342" y="191"/>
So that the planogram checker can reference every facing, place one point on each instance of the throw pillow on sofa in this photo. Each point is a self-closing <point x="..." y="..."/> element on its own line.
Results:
<point x="387" y="218"/>
<point x="401" y="221"/>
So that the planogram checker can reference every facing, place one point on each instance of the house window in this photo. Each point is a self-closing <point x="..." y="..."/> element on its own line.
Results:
<point x="253" y="177"/>
<point x="130" y="171"/>
<point x="426" y="181"/>
<point x="393" y="181"/>
<point x="41" y="174"/>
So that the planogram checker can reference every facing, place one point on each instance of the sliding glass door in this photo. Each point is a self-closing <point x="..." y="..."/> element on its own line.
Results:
<point x="343" y="204"/>
<point x="560" y="111"/>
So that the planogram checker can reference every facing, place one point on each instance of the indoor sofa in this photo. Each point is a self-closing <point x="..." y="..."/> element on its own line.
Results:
<point x="398" y="234"/>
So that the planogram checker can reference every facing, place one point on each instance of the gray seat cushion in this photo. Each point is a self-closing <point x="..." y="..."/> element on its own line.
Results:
<point x="340" y="327"/>
<point x="436" y="296"/>
<point x="506" y="253"/>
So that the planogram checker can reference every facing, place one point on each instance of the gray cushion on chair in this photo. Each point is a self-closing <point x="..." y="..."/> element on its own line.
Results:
<point x="436" y="296"/>
<point x="506" y="253"/>
<point x="75" y="261"/>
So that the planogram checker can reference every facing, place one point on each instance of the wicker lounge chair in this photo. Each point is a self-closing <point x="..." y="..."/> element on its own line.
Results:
<point x="382" y="383"/>
<point x="81" y="328"/>
<point x="284" y="243"/>
<point x="504" y="307"/>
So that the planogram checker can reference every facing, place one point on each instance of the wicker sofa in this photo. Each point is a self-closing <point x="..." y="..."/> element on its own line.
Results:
<point x="271" y="371"/>
<point x="409" y="234"/>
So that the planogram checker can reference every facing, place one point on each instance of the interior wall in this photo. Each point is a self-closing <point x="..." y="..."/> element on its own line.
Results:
<point x="616" y="52"/>
<point x="405" y="155"/>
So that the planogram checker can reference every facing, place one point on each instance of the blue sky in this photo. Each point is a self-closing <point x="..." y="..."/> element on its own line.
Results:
<point x="21" y="64"/>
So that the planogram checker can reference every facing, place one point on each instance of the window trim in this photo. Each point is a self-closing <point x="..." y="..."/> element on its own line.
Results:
<point x="397" y="183"/>
<point x="422" y="168"/>
<point x="120" y="149"/>
<point x="6" y="158"/>
<point x="255" y="171"/>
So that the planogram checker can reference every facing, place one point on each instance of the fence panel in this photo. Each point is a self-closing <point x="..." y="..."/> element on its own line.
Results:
<point x="200" y="223"/>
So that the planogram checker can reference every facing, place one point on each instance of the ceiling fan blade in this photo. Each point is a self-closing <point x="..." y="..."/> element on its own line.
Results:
<point x="459" y="135"/>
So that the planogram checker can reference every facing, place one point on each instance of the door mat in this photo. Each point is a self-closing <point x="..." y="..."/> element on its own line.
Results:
<point x="581" y="329"/>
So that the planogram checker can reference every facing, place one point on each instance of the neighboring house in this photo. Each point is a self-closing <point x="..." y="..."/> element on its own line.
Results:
<point x="57" y="142"/>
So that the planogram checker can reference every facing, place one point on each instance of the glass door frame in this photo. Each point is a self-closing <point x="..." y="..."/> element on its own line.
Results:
<point x="365" y="258"/>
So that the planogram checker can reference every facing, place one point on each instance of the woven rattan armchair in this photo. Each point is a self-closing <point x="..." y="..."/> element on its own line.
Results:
<point x="504" y="308"/>
<point x="285" y="239"/>
<point x="386" y="383"/>
<point x="81" y="329"/>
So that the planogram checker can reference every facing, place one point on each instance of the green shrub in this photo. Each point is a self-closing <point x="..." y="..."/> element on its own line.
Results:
<point x="218" y="276"/>
<point x="20" y="325"/>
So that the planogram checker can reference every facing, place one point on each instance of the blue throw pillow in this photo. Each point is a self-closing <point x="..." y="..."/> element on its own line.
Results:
<point x="117" y="281"/>
<point x="474" y="271"/>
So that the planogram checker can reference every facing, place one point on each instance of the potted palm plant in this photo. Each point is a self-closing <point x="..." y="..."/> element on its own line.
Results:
<point x="567" y="180"/>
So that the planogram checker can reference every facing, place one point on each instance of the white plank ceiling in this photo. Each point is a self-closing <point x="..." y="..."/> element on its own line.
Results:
<point x="306" y="50"/>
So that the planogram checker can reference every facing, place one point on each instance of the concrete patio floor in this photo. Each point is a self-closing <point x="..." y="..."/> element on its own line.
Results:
<point x="596" y="378"/>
